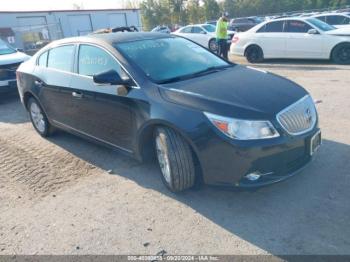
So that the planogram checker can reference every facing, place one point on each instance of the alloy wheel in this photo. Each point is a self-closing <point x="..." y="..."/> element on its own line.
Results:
<point x="37" y="117"/>
<point x="163" y="159"/>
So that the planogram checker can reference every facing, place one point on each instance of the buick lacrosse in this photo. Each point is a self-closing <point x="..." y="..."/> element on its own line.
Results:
<point x="203" y="118"/>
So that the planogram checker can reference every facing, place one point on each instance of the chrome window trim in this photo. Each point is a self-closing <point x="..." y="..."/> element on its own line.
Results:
<point x="76" y="57"/>
<point x="289" y="107"/>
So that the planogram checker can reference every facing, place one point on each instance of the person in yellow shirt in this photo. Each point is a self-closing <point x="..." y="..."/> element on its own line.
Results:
<point x="221" y="35"/>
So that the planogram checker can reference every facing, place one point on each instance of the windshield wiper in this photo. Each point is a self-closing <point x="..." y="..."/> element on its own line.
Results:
<point x="206" y="71"/>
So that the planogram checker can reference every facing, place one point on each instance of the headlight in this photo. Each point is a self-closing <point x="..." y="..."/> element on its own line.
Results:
<point x="243" y="129"/>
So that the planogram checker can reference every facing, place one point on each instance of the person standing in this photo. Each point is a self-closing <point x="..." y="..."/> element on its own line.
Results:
<point x="221" y="35"/>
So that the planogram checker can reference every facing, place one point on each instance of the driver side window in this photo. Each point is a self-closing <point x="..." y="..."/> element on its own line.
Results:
<point x="93" y="60"/>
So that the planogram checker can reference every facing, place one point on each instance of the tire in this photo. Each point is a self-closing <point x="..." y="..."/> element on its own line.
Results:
<point x="213" y="45"/>
<point x="175" y="159"/>
<point x="38" y="118"/>
<point x="254" y="54"/>
<point x="341" y="54"/>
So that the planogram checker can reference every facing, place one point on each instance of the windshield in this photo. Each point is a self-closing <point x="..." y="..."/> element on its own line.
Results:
<point x="5" y="49"/>
<point x="209" y="28"/>
<point x="320" y="25"/>
<point x="164" y="59"/>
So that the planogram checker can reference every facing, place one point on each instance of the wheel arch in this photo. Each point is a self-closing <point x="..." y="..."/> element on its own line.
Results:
<point x="26" y="96"/>
<point x="145" y="143"/>
<point x="334" y="47"/>
<point x="211" y="39"/>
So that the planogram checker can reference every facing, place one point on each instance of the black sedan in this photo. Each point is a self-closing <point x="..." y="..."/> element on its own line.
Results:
<point x="154" y="94"/>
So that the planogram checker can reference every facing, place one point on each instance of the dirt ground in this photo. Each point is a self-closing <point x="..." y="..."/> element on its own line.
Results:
<point x="65" y="195"/>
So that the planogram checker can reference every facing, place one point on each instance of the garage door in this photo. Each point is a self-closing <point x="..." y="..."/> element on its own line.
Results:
<point x="116" y="20"/>
<point x="80" y="24"/>
<point x="31" y="21"/>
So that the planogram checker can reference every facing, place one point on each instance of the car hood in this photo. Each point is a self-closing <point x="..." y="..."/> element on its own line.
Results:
<point x="344" y="31"/>
<point x="13" y="58"/>
<point x="241" y="92"/>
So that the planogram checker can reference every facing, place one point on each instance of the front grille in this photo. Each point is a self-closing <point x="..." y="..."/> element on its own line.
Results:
<point x="8" y="71"/>
<point x="300" y="117"/>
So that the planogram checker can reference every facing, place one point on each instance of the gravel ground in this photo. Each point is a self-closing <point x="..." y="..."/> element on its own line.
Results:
<point x="65" y="195"/>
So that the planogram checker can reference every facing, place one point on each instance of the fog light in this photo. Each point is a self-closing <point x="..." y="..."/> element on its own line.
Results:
<point x="253" y="176"/>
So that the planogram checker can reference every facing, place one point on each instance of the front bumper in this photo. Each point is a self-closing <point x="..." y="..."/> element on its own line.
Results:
<point x="227" y="162"/>
<point x="7" y="86"/>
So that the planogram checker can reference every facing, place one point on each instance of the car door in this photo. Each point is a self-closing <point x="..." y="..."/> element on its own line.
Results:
<point x="199" y="36"/>
<point x="54" y="72"/>
<point x="101" y="112"/>
<point x="301" y="44"/>
<point x="272" y="39"/>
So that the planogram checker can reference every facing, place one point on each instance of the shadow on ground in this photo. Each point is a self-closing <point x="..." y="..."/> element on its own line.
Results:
<point x="10" y="105"/>
<point x="307" y="214"/>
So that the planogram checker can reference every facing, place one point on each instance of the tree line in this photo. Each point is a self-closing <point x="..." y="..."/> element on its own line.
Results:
<point x="182" y="12"/>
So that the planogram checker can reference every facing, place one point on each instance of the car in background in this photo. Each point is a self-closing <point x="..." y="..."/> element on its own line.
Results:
<point x="335" y="19"/>
<point x="214" y="22"/>
<point x="161" y="29"/>
<point x="297" y="38"/>
<point x="10" y="59"/>
<point x="245" y="23"/>
<point x="152" y="94"/>
<point x="203" y="34"/>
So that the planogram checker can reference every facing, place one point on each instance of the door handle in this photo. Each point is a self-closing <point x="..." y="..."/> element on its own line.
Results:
<point x="38" y="83"/>
<point x="77" y="95"/>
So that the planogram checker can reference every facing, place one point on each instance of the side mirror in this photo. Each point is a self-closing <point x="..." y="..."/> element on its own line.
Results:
<point x="19" y="50"/>
<point x="203" y="32"/>
<point x="110" y="77"/>
<point x="312" y="32"/>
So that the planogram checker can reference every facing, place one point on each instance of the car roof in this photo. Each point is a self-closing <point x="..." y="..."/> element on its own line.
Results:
<point x="289" y="18"/>
<point x="328" y="14"/>
<point x="110" y="38"/>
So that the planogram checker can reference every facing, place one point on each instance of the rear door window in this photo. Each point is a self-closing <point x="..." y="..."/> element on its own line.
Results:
<point x="186" y="30"/>
<point x="197" y="30"/>
<point x="294" y="26"/>
<point x="272" y="27"/>
<point x="61" y="58"/>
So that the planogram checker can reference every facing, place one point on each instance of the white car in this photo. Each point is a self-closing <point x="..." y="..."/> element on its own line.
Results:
<point x="299" y="38"/>
<point x="338" y="20"/>
<point x="203" y="34"/>
<point x="10" y="59"/>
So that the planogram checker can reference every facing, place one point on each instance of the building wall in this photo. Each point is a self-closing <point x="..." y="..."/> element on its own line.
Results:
<point x="29" y="27"/>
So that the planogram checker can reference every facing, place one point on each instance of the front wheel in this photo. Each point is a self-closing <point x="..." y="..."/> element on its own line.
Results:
<point x="38" y="118"/>
<point x="175" y="159"/>
<point x="254" y="54"/>
<point x="341" y="54"/>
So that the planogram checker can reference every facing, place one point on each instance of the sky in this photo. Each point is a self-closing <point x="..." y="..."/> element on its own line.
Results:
<point x="30" y="5"/>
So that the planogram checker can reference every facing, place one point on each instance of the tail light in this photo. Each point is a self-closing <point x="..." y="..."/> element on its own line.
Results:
<point x="235" y="39"/>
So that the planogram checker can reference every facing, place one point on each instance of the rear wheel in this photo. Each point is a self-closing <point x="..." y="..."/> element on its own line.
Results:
<point x="254" y="54"/>
<point x="38" y="118"/>
<point x="341" y="54"/>
<point x="175" y="159"/>
<point x="213" y="45"/>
